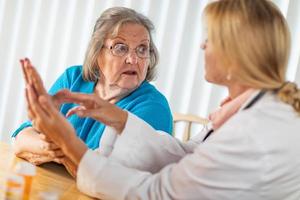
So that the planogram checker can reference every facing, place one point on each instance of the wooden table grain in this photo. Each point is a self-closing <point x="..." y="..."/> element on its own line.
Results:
<point x="50" y="177"/>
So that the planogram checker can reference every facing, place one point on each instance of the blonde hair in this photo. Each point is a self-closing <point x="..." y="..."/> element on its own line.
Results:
<point x="252" y="40"/>
<point x="108" y="24"/>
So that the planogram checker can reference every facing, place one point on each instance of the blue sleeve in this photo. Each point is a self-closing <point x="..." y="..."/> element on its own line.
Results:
<point x="158" y="115"/>
<point x="60" y="83"/>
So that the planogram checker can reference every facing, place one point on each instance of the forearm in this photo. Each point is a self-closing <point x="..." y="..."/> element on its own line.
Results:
<point x="106" y="179"/>
<point x="73" y="147"/>
<point x="107" y="141"/>
<point x="119" y="120"/>
<point x="149" y="150"/>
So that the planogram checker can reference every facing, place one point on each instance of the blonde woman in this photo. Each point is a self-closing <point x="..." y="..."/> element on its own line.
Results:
<point x="252" y="151"/>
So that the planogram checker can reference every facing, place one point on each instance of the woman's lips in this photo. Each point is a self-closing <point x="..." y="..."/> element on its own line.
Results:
<point x="130" y="73"/>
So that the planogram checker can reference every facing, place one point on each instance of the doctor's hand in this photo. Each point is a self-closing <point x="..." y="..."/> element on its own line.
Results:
<point x="90" y="105"/>
<point x="69" y="165"/>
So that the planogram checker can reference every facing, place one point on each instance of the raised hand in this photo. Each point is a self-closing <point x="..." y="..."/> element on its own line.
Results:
<point x="32" y="78"/>
<point x="36" y="148"/>
<point x="90" y="105"/>
<point x="31" y="144"/>
<point x="48" y="119"/>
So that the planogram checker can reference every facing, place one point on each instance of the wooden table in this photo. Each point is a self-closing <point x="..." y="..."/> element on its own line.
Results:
<point x="50" y="177"/>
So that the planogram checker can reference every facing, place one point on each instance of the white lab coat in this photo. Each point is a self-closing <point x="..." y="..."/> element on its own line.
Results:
<point x="255" y="155"/>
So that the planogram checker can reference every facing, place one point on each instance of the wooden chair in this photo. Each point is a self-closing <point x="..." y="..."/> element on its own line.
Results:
<point x="188" y="119"/>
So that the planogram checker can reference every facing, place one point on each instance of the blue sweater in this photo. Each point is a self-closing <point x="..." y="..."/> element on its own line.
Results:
<point x="146" y="102"/>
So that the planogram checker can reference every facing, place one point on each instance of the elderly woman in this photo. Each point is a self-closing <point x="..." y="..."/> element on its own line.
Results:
<point x="251" y="153"/>
<point x="120" y="61"/>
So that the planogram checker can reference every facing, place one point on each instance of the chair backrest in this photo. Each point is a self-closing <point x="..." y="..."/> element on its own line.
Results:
<point x="188" y="119"/>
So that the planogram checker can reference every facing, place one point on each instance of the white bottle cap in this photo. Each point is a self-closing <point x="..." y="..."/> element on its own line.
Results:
<point x="25" y="168"/>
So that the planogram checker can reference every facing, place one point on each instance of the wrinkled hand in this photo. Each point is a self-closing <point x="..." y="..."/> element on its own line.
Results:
<point x="48" y="119"/>
<point x="42" y="149"/>
<point x="90" y="105"/>
<point x="41" y="106"/>
<point x="38" y="159"/>
<point x="36" y="148"/>
<point x="32" y="78"/>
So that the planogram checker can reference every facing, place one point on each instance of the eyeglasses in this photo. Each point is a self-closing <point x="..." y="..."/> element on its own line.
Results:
<point x="120" y="50"/>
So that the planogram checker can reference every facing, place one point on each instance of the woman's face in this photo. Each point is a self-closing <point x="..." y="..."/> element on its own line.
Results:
<point x="126" y="71"/>
<point x="215" y="72"/>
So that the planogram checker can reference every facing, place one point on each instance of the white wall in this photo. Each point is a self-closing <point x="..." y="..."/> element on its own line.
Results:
<point x="55" y="33"/>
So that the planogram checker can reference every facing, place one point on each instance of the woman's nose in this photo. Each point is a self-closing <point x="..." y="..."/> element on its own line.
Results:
<point x="131" y="57"/>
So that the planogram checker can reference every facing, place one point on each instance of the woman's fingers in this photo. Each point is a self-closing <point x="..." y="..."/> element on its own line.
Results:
<point x="31" y="114"/>
<point x="35" y="78"/>
<point x="86" y="100"/>
<point x="69" y="165"/>
<point x="40" y="114"/>
<point x="25" y="64"/>
<point x="36" y="159"/>
<point x="58" y="160"/>
<point x="58" y="153"/>
<point x="32" y="77"/>
<point x="25" y="75"/>
<point x="46" y="139"/>
<point x="37" y="82"/>
<point x="26" y="68"/>
<point x="61" y="97"/>
<point x="83" y="112"/>
<point x="93" y="113"/>
<point x="48" y="105"/>
<point x="75" y="110"/>
<point x="35" y="106"/>
<point x="53" y="146"/>
<point x="49" y="149"/>
<point x="34" y="86"/>
<point x="48" y="145"/>
<point x="104" y="112"/>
